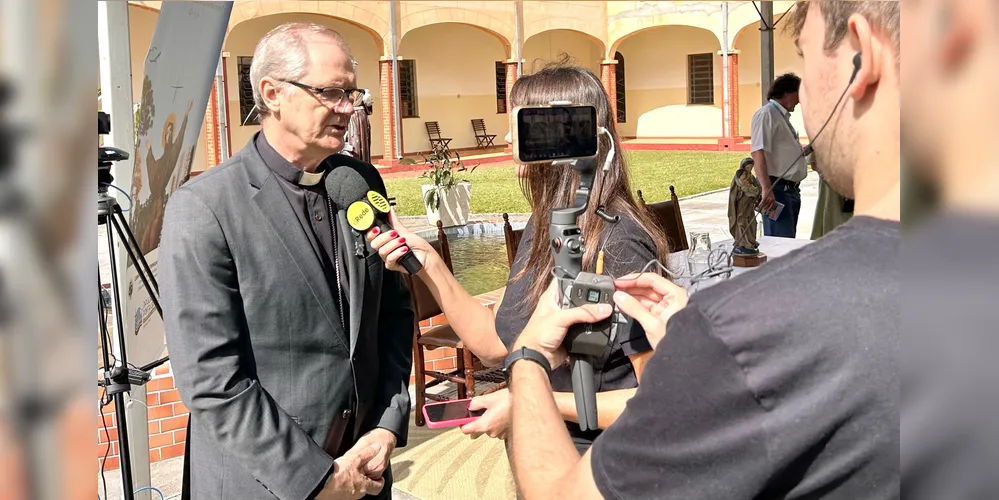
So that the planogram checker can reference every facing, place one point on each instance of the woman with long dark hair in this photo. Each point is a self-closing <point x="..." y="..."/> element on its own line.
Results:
<point x="628" y="246"/>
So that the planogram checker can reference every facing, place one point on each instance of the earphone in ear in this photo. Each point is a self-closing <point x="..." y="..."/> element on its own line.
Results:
<point x="857" y="61"/>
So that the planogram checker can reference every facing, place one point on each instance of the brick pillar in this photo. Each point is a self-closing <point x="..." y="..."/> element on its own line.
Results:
<point x="511" y="78"/>
<point x="608" y="76"/>
<point x="388" y="111"/>
<point x="212" y="150"/>
<point x="733" y="94"/>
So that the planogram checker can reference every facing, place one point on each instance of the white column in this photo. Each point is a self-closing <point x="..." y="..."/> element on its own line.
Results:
<point x="766" y="49"/>
<point x="518" y="38"/>
<point x="726" y="109"/>
<point x="116" y="100"/>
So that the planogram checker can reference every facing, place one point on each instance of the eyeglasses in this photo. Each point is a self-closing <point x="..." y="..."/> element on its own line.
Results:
<point x="332" y="95"/>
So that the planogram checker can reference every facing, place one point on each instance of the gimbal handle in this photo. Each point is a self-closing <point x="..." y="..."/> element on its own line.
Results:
<point x="568" y="247"/>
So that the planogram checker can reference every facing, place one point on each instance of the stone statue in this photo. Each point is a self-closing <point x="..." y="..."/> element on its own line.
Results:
<point x="743" y="197"/>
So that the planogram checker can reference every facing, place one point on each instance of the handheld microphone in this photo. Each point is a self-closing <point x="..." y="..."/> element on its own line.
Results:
<point x="366" y="208"/>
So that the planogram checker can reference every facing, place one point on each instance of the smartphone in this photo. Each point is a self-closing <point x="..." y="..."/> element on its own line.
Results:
<point x="450" y="414"/>
<point x="555" y="132"/>
<point x="775" y="211"/>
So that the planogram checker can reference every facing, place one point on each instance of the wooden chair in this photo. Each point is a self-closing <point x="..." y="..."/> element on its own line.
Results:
<point x="512" y="237"/>
<point x="483" y="138"/>
<point x="469" y="369"/>
<point x="437" y="143"/>
<point x="667" y="215"/>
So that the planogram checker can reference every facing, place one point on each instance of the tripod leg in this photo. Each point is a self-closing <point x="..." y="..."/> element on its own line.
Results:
<point x="136" y="257"/>
<point x="135" y="244"/>
<point x="119" y="398"/>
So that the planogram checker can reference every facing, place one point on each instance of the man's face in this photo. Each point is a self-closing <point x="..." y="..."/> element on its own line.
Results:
<point x="826" y="74"/>
<point x="791" y="101"/>
<point x="314" y="119"/>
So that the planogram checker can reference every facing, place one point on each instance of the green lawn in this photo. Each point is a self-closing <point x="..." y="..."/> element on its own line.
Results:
<point x="495" y="188"/>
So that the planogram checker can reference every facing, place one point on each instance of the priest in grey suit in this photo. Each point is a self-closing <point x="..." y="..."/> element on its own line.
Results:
<point x="292" y="354"/>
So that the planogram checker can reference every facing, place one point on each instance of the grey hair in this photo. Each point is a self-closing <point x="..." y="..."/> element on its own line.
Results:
<point x="282" y="54"/>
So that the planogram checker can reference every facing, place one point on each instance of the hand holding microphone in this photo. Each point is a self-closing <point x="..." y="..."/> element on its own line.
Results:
<point x="399" y="243"/>
<point x="369" y="210"/>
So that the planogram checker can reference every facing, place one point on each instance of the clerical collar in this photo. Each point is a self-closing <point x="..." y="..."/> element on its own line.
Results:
<point x="283" y="168"/>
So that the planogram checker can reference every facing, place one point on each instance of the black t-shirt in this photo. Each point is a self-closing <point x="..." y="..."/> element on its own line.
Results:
<point x="780" y="383"/>
<point x="628" y="250"/>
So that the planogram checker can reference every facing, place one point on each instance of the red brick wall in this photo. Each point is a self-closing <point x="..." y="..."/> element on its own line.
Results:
<point x="733" y="95"/>
<point x="511" y="78"/>
<point x="167" y="422"/>
<point x="388" y="107"/>
<point x="212" y="149"/>
<point x="608" y="76"/>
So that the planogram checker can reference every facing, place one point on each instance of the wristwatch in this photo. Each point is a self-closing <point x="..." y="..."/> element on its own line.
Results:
<point x="529" y="354"/>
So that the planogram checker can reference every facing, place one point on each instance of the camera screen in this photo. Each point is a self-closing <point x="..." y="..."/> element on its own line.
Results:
<point x="593" y="296"/>
<point x="556" y="133"/>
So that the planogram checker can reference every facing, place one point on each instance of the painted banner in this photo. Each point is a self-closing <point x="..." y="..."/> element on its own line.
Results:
<point x="176" y="84"/>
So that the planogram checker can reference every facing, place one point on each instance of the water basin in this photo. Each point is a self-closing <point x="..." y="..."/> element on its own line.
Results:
<point x="478" y="254"/>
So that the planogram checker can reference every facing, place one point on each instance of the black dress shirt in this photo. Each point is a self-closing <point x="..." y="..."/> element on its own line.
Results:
<point x="306" y="192"/>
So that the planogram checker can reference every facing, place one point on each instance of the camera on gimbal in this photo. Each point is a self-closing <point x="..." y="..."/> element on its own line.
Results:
<point x="588" y="288"/>
<point x="566" y="134"/>
<point x="106" y="155"/>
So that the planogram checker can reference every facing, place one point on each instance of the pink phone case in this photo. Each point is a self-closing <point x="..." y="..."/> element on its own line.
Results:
<point x="446" y="423"/>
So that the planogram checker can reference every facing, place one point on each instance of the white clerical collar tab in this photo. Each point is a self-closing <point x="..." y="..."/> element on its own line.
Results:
<point x="310" y="178"/>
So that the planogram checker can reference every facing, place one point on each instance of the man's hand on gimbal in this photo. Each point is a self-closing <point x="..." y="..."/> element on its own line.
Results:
<point x="651" y="300"/>
<point x="549" y="324"/>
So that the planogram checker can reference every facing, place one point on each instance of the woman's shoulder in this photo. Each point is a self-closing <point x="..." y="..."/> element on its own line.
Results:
<point x="628" y="230"/>
<point x="628" y="246"/>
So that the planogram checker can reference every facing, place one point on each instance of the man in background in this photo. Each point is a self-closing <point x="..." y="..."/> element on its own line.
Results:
<point x="777" y="156"/>
<point x="359" y="130"/>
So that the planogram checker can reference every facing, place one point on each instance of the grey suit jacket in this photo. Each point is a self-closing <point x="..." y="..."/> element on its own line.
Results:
<point x="258" y="352"/>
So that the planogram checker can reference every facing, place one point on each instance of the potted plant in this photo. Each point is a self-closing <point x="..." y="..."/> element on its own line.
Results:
<point x="446" y="198"/>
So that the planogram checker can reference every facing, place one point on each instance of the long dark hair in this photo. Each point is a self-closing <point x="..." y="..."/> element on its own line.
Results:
<point x="547" y="187"/>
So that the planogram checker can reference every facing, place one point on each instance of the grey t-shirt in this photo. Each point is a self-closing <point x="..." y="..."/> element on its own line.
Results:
<point x="743" y="399"/>
<point x="950" y="393"/>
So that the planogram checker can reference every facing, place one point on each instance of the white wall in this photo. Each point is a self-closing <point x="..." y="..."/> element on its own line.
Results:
<point x="456" y="82"/>
<point x="785" y="60"/>
<point x="545" y="47"/>
<point x="656" y="84"/>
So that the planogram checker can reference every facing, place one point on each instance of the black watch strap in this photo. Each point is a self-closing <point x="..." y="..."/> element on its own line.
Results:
<point x="529" y="354"/>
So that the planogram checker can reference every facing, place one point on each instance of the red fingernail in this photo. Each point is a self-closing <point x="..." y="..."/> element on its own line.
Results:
<point x="393" y="234"/>
<point x="404" y="249"/>
<point x="402" y="240"/>
<point x="375" y="230"/>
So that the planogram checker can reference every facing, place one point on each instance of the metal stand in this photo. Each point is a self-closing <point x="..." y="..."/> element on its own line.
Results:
<point x="568" y="247"/>
<point x="120" y="378"/>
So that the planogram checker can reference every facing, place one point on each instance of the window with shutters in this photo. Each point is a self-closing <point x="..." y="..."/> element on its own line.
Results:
<point x="246" y="93"/>
<point x="500" y="87"/>
<point x="622" y="114"/>
<point x="700" y="79"/>
<point x="407" y="89"/>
